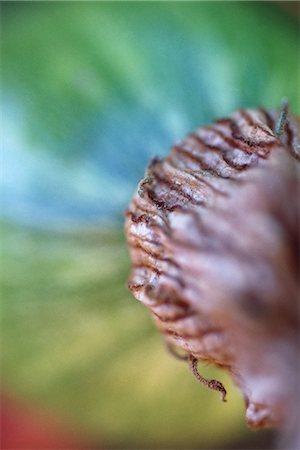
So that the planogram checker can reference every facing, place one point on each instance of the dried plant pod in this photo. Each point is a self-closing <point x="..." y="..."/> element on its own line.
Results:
<point x="213" y="233"/>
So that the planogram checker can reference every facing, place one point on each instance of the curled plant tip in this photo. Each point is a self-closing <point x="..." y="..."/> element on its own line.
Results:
<point x="174" y="352"/>
<point x="215" y="385"/>
<point x="283" y="117"/>
<point x="285" y="121"/>
<point x="146" y="180"/>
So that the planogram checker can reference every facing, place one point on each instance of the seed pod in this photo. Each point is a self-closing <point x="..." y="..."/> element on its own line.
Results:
<point x="213" y="233"/>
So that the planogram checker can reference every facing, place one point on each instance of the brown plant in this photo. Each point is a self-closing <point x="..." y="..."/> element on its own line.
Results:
<point x="213" y="232"/>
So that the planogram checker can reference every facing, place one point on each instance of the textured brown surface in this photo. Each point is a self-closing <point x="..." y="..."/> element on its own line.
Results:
<point x="213" y="232"/>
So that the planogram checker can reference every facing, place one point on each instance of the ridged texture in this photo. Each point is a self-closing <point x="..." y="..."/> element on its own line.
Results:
<point x="213" y="232"/>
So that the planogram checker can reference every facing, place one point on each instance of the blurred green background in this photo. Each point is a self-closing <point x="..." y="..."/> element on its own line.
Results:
<point x="90" y="92"/>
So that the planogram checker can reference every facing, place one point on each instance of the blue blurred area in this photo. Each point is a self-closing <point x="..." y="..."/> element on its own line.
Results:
<point x="44" y="190"/>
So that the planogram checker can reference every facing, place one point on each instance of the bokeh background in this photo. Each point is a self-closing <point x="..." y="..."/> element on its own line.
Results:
<point x="90" y="92"/>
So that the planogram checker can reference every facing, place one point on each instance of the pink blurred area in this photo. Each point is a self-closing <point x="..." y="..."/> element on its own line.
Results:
<point x="26" y="426"/>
